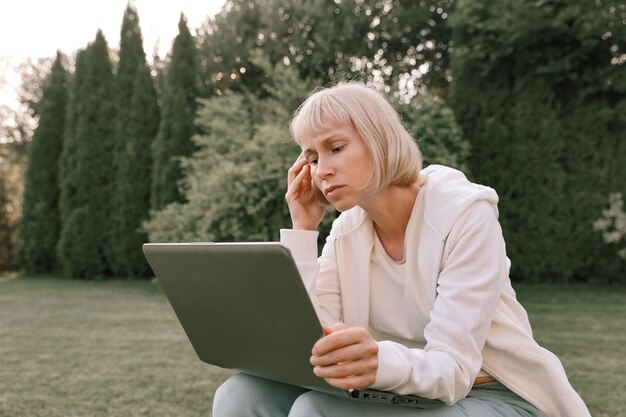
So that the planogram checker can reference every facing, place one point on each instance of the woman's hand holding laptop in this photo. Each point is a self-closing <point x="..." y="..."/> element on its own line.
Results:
<point x="347" y="357"/>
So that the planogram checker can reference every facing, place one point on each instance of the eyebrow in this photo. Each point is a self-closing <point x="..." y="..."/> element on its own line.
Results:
<point x="323" y="142"/>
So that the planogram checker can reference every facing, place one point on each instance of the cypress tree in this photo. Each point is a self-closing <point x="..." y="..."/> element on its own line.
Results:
<point x="133" y="196"/>
<point x="41" y="223"/>
<point x="176" y="127"/>
<point x="540" y="93"/>
<point x="69" y="198"/>
<point x="136" y="125"/>
<point x="6" y="243"/>
<point x="87" y="173"/>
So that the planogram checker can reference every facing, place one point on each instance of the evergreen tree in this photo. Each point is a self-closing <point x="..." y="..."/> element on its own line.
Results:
<point x="136" y="125"/>
<point x="539" y="90"/>
<point x="131" y="56"/>
<point x="133" y="195"/>
<point x="176" y="127"/>
<point x="157" y="71"/>
<point x="87" y="176"/>
<point x="41" y="222"/>
<point x="6" y="243"/>
<point x="69" y="198"/>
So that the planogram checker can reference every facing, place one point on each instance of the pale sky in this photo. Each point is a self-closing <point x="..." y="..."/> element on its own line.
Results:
<point x="37" y="28"/>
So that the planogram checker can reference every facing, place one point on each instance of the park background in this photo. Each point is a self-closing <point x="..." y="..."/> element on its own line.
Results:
<point x="112" y="147"/>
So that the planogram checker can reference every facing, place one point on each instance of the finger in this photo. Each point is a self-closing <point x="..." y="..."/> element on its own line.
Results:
<point x="338" y="338"/>
<point x="332" y="328"/>
<point x="350" y="353"/>
<point x="298" y="182"/>
<point x="351" y="382"/>
<point x="346" y="369"/>
<point x="339" y="326"/>
<point x="299" y="189"/>
<point x="296" y="167"/>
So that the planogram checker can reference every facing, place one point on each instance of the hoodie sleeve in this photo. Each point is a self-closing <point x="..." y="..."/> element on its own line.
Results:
<point x="318" y="274"/>
<point x="473" y="269"/>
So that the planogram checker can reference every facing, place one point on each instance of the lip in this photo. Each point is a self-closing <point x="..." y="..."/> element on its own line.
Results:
<point x="332" y="188"/>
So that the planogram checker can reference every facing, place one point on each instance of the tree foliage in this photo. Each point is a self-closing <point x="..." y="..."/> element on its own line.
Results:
<point x="176" y="126"/>
<point x="235" y="183"/>
<point x="17" y="123"/>
<point x="13" y="160"/>
<point x="393" y="42"/>
<point x="539" y="91"/>
<point x="433" y="125"/>
<point x="86" y="172"/>
<point x="19" y="120"/>
<point x="612" y="224"/>
<point x="136" y="124"/>
<point x="41" y="222"/>
<point x="133" y="196"/>
<point x="6" y="241"/>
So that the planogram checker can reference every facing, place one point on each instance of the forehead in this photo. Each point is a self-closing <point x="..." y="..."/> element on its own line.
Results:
<point x="343" y="131"/>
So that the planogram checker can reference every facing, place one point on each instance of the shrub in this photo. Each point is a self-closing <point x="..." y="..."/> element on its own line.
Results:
<point x="612" y="224"/>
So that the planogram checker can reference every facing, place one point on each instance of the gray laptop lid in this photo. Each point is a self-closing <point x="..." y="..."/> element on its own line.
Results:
<point x="244" y="307"/>
<point x="241" y="306"/>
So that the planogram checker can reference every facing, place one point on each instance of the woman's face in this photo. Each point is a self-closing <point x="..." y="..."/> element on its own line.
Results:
<point x="340" y="165"/>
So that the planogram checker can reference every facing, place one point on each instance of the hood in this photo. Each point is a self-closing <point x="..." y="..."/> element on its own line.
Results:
<point x="448" y="195"/>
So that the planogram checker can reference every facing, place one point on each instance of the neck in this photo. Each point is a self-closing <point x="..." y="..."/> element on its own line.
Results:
<point x="390" y="209"/>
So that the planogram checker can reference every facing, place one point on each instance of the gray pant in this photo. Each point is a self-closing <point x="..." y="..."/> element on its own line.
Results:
<point x="245" y="395"/>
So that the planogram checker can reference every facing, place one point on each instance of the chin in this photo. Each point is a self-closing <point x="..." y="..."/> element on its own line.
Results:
<point x="341" y="206"/>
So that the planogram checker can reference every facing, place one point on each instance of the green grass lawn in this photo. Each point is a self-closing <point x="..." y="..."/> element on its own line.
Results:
<point x="586" y="328"/>
<point x="115" y="348"/>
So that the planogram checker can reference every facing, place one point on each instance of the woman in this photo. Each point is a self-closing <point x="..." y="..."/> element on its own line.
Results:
<point x="412" y="284"/>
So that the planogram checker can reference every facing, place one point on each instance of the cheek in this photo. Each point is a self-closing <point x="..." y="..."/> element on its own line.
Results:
<point x="313" y="171"/>
<point x="316" y="181"/>
<point x="314" y="178"/>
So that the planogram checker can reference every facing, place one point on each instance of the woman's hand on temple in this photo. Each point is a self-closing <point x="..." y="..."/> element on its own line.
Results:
<point x="347" y="357"/>
<point x="305" y="209"/>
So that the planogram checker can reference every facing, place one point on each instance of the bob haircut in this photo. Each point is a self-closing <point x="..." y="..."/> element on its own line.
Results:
<point x="396" y="158"/>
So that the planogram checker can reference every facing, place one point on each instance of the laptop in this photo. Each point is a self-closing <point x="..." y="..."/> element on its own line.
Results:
<point x="243" y="306"/>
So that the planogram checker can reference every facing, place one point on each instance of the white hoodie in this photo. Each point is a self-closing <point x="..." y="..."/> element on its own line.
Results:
<point x="461" y="283"/>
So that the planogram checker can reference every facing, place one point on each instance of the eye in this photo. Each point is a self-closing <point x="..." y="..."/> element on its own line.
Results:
<point x="337" y="149"/>
<point x="313" y="161"/>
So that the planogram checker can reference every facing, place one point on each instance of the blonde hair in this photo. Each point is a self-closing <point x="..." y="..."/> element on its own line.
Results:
<point x="396" y="158"/>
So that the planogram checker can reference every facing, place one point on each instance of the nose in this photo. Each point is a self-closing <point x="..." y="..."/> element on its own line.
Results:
<point x="323" y="169"/>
